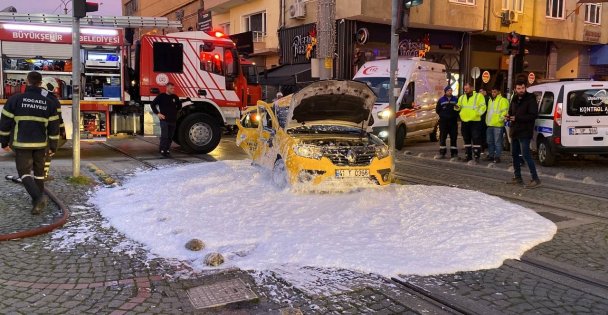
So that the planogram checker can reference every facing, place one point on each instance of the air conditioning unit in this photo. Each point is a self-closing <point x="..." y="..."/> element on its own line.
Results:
<point x="513" y="16"/>
<point x="297" y="10"/>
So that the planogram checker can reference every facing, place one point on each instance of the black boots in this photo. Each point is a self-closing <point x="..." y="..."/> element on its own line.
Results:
<point x="36" y="190"/>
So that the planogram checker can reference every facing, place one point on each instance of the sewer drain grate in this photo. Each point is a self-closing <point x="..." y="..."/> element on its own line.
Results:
<point x="220" y="294"/>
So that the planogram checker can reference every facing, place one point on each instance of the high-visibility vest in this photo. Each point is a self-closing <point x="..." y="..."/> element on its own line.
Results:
<point x="471" y="108"/>
<point x="498" y="108"/>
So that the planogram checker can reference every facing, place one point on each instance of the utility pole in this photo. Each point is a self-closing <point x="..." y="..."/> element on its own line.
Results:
<point x="393" y="88"/>
<point x="75" y="94"/>
<point x="326" y="30"/>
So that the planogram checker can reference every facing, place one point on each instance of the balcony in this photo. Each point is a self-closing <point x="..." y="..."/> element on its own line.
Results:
<point x="222" y="6"/>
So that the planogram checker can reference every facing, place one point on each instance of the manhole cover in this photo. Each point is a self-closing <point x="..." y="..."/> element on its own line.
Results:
<point x="220" y="294"/>
<point x="554" y="217"/>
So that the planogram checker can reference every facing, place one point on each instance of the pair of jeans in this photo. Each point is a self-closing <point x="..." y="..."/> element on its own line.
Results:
<point x="471" y="133"/>
<point x="167" y="130"/>
<point x="25" y="161"/>
<point x="448" y="127"/>
<point x="522" y="147"/>
<point x="494" y="136"/>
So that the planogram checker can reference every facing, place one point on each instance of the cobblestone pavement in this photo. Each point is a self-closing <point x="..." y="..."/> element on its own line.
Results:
<point x="88" y="267"/>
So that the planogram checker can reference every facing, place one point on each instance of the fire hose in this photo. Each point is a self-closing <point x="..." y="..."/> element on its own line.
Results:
<point x="42" y="229"/>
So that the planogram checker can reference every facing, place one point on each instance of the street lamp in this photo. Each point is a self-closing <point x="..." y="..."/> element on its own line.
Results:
<point x="400" y="22"/>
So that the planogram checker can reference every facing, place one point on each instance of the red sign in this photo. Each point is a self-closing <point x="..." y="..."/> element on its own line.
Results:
<point x="485" y="77"/>
<point x="531" y="78"/>
<point x="88" y="36"/>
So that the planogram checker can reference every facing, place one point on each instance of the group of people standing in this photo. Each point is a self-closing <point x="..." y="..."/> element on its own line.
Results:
<point x="483" y="121"/>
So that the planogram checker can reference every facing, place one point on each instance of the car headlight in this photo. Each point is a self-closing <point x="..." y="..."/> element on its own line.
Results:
<point x="382" y="151"/>
<point x="308" y="151"/>
<point x="385" y="114"/>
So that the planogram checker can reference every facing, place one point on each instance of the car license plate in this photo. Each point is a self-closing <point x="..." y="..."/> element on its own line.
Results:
<point x="351" y="173"/>
<point x="583" y="131"/>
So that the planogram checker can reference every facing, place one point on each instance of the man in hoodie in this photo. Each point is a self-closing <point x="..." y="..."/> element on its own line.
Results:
<point x="522" y="115"/>
<point x="448" y="122"/>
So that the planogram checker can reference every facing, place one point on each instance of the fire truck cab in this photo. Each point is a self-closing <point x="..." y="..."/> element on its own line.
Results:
<point x="207" y="74"/>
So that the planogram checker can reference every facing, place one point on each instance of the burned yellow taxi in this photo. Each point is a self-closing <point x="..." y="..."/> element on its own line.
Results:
<point x="317" y="136"/>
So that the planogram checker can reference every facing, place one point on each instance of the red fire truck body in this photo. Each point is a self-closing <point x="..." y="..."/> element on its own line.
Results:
<point x="205" y="69"/>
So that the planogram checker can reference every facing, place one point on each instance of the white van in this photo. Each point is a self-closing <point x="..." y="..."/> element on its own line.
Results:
<point x="572" y="119"/>
<point x="424" y="82"/>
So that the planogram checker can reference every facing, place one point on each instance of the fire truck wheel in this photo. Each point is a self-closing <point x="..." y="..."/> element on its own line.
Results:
<point x="199" y="133"/>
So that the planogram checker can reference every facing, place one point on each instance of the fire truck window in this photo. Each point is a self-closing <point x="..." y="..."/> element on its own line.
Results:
<point x="168" y="57"/>
<point x="212" y="61"/>
<point x="229" y="61"/>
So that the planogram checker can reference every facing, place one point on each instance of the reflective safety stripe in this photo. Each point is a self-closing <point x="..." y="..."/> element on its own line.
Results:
<point x="53" y="118"/>
<point x="453" y="147"/>
<point x="62" y="125"/>
<point x="54" y="137"/>
<point x="442" y="147"/>
<point x="26" y="175"/>
<point x="5" y="133"/>
<point x="39" y="177"/>
<point x="7" y="113"/>
<point x="467" y="145"/>
<point x="476" y="146"/>
<point x="29" y="145"/>
<point x="33" y="118"/>
<point x="58" y="110"/>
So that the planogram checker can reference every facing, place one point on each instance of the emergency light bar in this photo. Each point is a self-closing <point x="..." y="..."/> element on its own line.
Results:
<point x="58" y="29"/>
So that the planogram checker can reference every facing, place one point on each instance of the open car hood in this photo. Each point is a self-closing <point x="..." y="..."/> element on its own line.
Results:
<point x="332" y="102"/>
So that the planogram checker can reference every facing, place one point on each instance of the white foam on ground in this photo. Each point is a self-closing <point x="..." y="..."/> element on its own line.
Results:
<point x="235" y="210"/>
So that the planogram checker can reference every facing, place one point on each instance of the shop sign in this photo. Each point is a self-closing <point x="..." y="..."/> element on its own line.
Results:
<point x="591" y="35"/>
<point x="419" y="48"/>
<point x="531" y="78"/>
<point x="303" y="45"/>
<point x="485" y="77"/>
<point x="204" y="21"/>
<point x="59" y="37"/>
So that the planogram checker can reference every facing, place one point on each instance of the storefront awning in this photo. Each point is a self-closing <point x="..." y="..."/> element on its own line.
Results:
<point x="287" y="75"/>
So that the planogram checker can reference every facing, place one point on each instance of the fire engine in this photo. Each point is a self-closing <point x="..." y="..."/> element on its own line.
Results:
<point x="206" y="69"/>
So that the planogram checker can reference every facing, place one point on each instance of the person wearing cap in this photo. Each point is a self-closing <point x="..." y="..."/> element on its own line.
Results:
<point x="448" y="122"/>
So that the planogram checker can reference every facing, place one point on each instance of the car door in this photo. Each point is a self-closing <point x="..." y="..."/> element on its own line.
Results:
<point x="585" y="116"/>
<point x="407" y="113"/>
<point x="248" y="137"/>
<point x="268" y="128"/>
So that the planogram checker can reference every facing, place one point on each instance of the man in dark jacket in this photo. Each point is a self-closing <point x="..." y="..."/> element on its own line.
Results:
<point x="448" y="123"/>
<point x="522" y="115"/>
<point x="30" y="124"/>
<point x="168" y="107"/>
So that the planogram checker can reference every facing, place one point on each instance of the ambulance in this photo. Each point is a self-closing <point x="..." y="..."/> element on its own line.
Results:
<point x="420" y="85"/>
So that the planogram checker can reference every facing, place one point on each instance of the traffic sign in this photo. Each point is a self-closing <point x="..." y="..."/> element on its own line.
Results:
<point x="531" y="78"/>
<point x="475" y="73"/>
<point x="485" y="77"/>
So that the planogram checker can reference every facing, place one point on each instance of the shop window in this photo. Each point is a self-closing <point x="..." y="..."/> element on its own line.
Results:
<point x="469" y="2"/>
<point x="555" y="9"/>
<point x="168" y="57"/>
<point x="514" y="5"/>
<point x="546" y="105"/>
<point x="593" y="13"/>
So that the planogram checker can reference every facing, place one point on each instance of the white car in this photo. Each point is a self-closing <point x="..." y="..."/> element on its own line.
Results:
<point x="572" y="119"/>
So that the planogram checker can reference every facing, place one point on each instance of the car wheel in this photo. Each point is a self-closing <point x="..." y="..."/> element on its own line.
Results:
<point x="434" y="136"/>
<point x="279" y="174"/>
<point x="199" y="133"/>
<point x="545" y="156"/>
<point x="400" y="137"/>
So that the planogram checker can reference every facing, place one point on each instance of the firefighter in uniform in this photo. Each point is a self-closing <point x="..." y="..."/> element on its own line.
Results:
<point x="471" y="106"/>
<point x="48" y="158"/>
<point x="30" y="125"/>
<point x="448" y="123"/>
